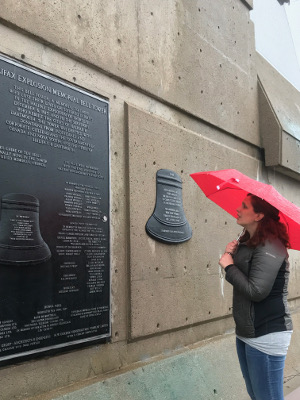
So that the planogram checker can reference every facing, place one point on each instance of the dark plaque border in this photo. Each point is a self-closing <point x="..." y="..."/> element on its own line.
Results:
<point x="55" y="214"/>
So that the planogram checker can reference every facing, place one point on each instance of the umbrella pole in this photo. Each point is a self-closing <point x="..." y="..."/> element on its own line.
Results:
<point x="240" y="235"/>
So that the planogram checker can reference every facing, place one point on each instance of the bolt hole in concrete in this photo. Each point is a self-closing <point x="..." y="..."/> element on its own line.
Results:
<point x="22" y="56"/>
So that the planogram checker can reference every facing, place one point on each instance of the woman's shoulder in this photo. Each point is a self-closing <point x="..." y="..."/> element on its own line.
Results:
<point x="273" y="246"/>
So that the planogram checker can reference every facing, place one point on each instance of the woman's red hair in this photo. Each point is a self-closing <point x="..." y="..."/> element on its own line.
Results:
<point x="269" y="226"/>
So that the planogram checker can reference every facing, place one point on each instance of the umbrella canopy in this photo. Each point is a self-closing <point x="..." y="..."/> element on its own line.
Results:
<point x="229" y="187"/>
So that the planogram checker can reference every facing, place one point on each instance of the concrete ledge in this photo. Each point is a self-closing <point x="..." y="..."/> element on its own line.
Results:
<point x="208" y="372"/>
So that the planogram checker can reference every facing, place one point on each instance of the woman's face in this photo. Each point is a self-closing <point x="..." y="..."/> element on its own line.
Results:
<point x="246" y="216"/>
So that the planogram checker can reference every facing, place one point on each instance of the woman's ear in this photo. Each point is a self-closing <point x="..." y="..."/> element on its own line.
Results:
<point x="259" y="217"/>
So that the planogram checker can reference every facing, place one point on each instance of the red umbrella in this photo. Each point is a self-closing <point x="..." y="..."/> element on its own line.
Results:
<point x="229" y="187"/>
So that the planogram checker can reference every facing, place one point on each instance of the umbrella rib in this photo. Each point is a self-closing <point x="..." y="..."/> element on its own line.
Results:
<point x="221" y="189"/>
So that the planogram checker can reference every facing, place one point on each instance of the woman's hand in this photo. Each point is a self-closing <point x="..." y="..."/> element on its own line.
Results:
<point x="225" y="260"/>
<point x="231" y="247"/>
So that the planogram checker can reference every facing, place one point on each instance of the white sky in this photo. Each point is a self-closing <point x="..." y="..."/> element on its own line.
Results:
<point x="277" y="36"/>
<point x="293" y="16"/>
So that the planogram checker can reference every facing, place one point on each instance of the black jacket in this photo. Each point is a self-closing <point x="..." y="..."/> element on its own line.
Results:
<point x="260" y="278"/>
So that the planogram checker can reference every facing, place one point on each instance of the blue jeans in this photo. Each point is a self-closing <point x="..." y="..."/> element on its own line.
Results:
<point x="263" y="373"/>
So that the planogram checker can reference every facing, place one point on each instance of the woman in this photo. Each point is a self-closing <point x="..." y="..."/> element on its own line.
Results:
<point x="258" y="269"/>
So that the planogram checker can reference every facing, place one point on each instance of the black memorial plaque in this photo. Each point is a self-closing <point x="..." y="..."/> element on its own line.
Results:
<point x="54" y="224"/>
<point x="168" y="223"/>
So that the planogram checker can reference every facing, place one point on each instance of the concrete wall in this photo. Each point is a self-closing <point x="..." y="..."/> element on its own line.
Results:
<point x="181" y="79"/>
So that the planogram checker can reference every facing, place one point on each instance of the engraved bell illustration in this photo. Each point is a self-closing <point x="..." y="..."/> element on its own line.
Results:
<point x="168" y="223"/>
<point x="20" y="237"/>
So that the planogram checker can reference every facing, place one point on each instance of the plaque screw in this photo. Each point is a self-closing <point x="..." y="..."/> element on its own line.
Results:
<point x="104" y="218"/>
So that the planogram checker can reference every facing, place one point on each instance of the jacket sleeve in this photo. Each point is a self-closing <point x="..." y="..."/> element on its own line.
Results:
<point x="265" y="264"/>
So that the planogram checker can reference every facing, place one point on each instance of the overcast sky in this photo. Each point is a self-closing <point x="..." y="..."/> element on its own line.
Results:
<point x="277" y="36"/>
<point x="293" y="16"/>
